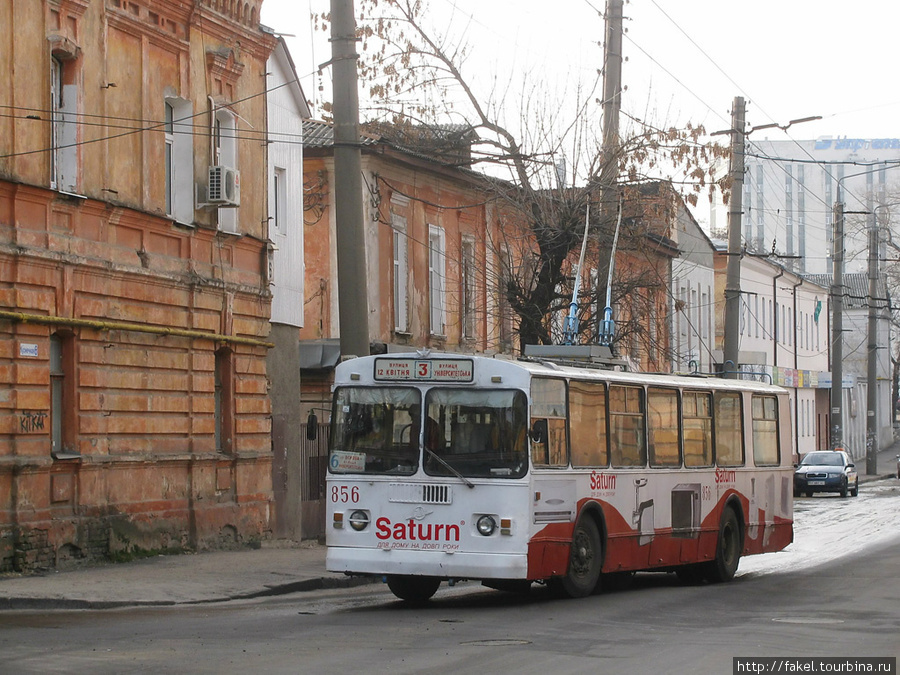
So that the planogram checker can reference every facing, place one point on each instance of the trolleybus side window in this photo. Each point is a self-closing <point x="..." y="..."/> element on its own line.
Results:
<point x="662" y="427"/>
<point x="728" y="429"/>
<point x="696" y="409"/>
<point x="375" y="430"/>
<point x="627" y="446"/>
<point x="587" y="424"/>
<point x="765" y="430"/>
<point x="548" y="422"/>
<point x="481" y="433"/>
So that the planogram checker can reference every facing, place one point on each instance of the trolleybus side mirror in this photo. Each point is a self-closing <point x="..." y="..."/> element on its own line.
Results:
<point x="312" y="426"/>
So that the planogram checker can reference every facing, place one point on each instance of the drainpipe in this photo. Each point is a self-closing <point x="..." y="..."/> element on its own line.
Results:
<point x="775" y="319"/>
<point x="796" y="389"/>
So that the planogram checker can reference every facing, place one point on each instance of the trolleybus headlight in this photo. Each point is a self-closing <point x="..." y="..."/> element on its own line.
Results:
<point x="486" y="525"/>
<point x="359" y="520"/>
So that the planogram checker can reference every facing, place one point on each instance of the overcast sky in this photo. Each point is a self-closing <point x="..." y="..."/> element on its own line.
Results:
<point x="686" y="59"/>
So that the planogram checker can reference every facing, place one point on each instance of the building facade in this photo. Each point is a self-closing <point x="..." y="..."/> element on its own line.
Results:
<point x="790" y="189"/>
<point x="784" y="339"/>
<point x="693" y="297"/>
<point x="134" y="290"/>
<point x="287" y="109"/>
<point x="855" y="366"/>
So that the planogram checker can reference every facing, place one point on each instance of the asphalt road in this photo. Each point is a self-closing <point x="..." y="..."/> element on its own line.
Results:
<point x="847" y="607"/>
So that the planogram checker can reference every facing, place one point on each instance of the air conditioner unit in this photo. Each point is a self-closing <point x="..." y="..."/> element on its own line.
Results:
<point x="224" y="186"/>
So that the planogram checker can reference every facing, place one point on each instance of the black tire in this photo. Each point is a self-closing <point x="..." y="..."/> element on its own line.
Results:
<point x="728" y="549"/>
<point x="809" y="493"/>
<point x="796" y="492"/>
<point x="585" y="561"/>
<point x="855" y="491"/>
<point x="844" y="489"/>
<point x="413" y="589"/>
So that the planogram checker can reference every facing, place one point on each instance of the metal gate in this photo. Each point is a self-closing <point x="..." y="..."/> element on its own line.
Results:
<point x="314" y="460"/>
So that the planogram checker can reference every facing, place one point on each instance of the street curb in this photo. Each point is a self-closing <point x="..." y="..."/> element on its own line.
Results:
<point x="304" y="586"/>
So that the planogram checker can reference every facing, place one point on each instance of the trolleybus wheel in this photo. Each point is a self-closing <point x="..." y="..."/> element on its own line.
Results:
<point x="413" y="589"/>
<point x="585" y="560"/>
<point x="728" y="550"/>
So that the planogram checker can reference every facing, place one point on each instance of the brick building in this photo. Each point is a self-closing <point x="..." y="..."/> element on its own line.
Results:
<point x="134" y="298"/>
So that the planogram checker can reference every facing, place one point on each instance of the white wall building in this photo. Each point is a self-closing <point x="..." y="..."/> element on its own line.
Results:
<point x="784" y="338"/>
<point x="790" y="188"/>
<point x="855" y="366"/>
<point x="286" y="108"/>
<point x="693" y="299"/>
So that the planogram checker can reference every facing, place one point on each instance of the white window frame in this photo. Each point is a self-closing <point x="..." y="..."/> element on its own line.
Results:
<point x="169" y="156"/>
<point x="401" y="273"/>
<point x="63" y="129"/>
<point x="437" y="279"/>
<point x="179" y="160"/>
<point x="226" y="154"/>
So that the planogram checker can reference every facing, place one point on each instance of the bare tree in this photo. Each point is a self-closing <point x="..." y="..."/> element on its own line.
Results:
<point x="419" y="78"/>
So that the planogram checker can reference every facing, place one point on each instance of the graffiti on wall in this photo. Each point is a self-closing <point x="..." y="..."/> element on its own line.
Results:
<point x="32" y="422"/>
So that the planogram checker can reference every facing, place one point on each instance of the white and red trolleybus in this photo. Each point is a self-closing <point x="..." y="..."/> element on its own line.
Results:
<point x="449" y="467"/>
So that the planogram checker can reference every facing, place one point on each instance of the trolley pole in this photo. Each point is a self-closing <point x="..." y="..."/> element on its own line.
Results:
<point x="733" y="267"/>
<point x="353" y="307"/>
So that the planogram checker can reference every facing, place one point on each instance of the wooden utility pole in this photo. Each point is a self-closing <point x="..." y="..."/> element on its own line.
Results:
<point x="612" y="103"/>
<point x="733" y="267"/>
<point x="353" y="307"/>
<point x="872" y="364"/>
<point x="837" y="326"/>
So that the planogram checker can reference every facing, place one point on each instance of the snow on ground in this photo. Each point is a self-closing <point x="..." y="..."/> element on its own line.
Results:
<point x="827" y="527"/>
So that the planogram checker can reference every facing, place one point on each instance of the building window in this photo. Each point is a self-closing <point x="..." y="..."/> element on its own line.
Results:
<point x="279" y="200"/>
<point x="62" y="394"/>
<point x="505" y="320"/>
<point x="436" y="279"/>
<point x="224" y="400"/>
<point x="401" y="274"/>
<point x="178" y="160"/>
<point x="170" y="157"/>
<point x="467" y="304"/>
<point x="63" y="129"/>
<point x="226" y="155"/>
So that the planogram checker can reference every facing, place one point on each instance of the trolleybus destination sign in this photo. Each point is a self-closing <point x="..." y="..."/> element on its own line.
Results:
<point x="436" y="370"/>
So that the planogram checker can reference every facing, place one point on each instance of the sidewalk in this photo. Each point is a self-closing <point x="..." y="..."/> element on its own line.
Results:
<point x="275" y="569"/>
<point x="886" y="464"/>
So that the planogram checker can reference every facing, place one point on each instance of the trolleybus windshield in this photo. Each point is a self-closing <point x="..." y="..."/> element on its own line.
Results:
<point x="477" y="433"/>
<point x="375" y="430"/>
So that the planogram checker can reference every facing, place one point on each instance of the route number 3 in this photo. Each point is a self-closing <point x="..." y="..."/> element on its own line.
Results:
<point x="344" y="494"/>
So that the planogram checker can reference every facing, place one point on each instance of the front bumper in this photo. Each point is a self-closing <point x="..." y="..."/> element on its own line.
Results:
<point x="812" y="482"/>
<point x="455" y="565"/>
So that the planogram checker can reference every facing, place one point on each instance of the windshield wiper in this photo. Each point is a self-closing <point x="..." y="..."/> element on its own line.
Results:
<point x="450" y="468"/>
